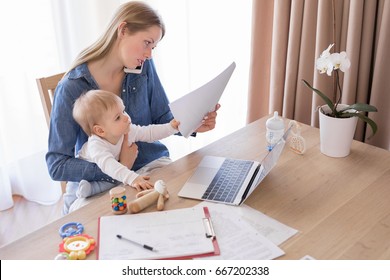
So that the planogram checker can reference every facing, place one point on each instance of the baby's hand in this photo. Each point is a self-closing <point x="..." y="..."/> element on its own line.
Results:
<point x="175" y="124"/>
<point x="142" y="183"/>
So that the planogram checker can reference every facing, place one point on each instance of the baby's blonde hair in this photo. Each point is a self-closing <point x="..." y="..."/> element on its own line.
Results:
<point x="90" y="108"/>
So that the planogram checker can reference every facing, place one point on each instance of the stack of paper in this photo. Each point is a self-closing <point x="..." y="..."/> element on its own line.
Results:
<point x="245" y="233"/>
<point x="173" y="234"/>
<point x="212" y="230"/>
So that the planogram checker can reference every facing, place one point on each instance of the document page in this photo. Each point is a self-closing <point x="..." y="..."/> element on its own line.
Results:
<point x="237" y="239"/>
<point x="171" y="234"/>
<point x="245" y="233"/>
<point x="191" y="108"/>
<point x="270" y="228"/>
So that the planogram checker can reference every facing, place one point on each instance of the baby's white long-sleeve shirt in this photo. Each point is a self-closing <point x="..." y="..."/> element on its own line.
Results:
<point x="106" y="155"/>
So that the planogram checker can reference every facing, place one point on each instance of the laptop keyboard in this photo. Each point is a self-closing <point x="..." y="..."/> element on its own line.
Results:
<point x="228" y="180"/>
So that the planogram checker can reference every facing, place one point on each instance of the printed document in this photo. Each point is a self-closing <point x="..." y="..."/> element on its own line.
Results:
<point x="171" y="234"/>
<point x="245" y="233"/>
<point x="190" y="109"/>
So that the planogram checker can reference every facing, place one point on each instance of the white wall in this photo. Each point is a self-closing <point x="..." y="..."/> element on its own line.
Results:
<point x="203" y="37"/>
<point x="78" y="24"/>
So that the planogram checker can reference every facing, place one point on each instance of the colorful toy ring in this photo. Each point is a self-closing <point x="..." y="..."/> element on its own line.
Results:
<point x="71" y="229"/>
<point x="77" y="247"/>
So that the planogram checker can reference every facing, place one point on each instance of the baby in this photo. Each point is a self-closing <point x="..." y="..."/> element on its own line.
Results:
<point x="102" y="116"/>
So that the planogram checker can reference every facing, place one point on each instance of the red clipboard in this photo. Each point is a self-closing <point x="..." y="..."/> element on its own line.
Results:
<point x="208" y="231"/>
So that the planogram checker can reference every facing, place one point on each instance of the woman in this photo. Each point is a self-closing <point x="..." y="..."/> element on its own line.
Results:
<point x="134" y="31"/>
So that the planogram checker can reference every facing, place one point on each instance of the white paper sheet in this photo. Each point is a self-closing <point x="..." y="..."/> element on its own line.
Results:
<point x="272" y="229"/>
<point x="190" y="109"/>
<point x="238" y="239"/>
<point x="173" y="233"/>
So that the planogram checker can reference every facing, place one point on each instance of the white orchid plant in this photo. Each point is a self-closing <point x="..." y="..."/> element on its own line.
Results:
<point x="333" y="62"/>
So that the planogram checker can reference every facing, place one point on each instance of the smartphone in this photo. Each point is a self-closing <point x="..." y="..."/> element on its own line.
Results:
<point x="136" y="70"/>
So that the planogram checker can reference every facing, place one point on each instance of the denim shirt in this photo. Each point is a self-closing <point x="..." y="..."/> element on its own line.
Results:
<point x="145" y="101"/>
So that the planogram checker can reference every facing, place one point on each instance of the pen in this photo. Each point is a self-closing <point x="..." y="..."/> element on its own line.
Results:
<point x="136" y="243"/>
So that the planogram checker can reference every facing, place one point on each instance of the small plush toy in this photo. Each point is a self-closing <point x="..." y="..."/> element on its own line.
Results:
<point x="147" y="197"/>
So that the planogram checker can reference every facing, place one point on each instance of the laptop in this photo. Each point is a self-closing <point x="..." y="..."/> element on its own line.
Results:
<point x="230" y="181"/>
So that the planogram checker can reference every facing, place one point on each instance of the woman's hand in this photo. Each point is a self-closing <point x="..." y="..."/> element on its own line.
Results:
<point x="132" y="154"/>
<point x="128" y="153"/>
<point x="209" y="121"/>
<point x="142" y="183"/>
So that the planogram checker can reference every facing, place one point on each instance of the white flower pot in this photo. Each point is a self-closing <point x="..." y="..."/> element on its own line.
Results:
<point x="336" y="134"/>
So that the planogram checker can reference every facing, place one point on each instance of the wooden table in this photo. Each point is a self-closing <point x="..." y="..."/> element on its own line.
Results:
<point x="340" y="206"/>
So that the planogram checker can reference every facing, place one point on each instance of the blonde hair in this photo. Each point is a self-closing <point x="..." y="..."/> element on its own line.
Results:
<point x="138" y="15"/>
<point x="90" y="107"/>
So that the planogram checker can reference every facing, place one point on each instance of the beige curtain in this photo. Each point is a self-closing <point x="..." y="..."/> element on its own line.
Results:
<point x="288" y="35"/>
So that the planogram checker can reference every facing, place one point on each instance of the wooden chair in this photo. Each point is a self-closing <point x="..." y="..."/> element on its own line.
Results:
<point x="46" y="87"/>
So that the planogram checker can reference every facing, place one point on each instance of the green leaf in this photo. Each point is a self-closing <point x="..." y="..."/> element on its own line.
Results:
<point x="364" y="118"/>
<point x="361" y="108"/>
<point x="343" y="113"/>
<point x="323" y="96"/>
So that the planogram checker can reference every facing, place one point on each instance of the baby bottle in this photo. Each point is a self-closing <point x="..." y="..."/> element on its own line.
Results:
<point x="275" y="130"/>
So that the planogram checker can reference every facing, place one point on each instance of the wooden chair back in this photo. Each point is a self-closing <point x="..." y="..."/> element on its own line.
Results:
<point x="46" y="87"/>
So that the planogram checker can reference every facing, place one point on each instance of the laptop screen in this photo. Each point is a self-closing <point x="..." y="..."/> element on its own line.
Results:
<point x="269" y="161"/>
<point x="272" y="157"/>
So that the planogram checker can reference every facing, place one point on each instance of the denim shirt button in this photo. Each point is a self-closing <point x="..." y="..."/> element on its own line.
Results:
<point x="133" y="88"/>
<point x="123" y="90"/>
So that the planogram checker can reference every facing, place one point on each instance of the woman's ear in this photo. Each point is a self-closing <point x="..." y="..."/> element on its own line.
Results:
<point x="122" y="29"/>
<point x="98" y="130"/>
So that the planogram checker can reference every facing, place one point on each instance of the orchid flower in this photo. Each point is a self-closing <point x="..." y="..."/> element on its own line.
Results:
<point x="324" y="63"/>
<point x="327" y="63"/>
<point x="326" y="53"/>
<point x="340" y="61"/>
